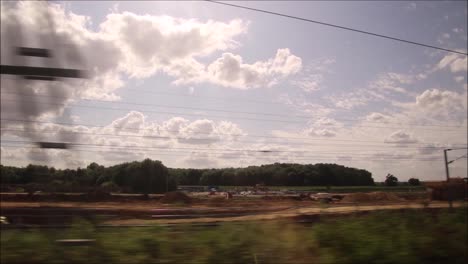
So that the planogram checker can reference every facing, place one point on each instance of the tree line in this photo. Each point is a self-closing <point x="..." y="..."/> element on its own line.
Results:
<point x="151" y="176"/>
<point x="147" y="176"/>
<point x="277" y="174"/>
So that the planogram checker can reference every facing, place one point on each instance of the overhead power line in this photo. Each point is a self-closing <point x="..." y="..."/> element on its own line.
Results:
<point x="461" y="157"/>
<point x="205" y="150"/>
<point x="209" y="141"/>
<point x="225" y="111"/>
<point x="127" y="150"/>
<point x="177" y="148"/>
<point x="339" y="27"/>
<point x="220" y="152"/>
<point x="198" y="140"/>
<point x="222" y="116"/>
<point x="457" y="148"/>
<point x="205" y="133"/>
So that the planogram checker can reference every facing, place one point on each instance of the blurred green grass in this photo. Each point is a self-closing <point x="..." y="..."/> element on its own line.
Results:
<point x="411" y="236"/>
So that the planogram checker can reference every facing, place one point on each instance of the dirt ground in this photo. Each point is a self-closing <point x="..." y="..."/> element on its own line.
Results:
<point x="149" y="205"/>
<point x="135" y="211"/>
<point x="288" y="213"/>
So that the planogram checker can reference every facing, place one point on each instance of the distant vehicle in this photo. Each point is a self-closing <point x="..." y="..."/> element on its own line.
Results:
<point x="213" y="188"/>
<point x="327" y="197"/>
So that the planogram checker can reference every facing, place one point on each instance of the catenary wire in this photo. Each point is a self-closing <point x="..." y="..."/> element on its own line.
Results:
<point x="200" y="140"/>
<point x="224" y="111"/>
<point x="136" y="147"/>
<point x="220" y="116"/>
<point x="208" y="133"/>
<point x="339" y="27"/>
<point x="305" y="158"/>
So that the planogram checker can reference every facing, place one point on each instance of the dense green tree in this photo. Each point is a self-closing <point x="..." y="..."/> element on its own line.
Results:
<point x="414" y="182"/>
<point x="391" y="180"/>
<point x="279" y="174"/>
<point x="9" y="175"/>
<point x="149" y="176"/>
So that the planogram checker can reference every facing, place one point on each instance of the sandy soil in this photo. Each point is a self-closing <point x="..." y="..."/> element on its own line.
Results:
<point x="290" y="213"/>
<point x="139" y="212"/>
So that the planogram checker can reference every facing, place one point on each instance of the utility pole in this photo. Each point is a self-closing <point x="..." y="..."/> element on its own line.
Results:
<point x="447" y="173"/>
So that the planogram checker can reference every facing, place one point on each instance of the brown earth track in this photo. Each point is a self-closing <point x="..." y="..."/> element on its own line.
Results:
<point x="288" y="214"/>
<point x="127" y="209"/>
<point x="141" y="213"/>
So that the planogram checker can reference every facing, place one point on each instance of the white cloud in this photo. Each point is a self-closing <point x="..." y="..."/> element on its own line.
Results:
<point x="326" y="122"/>
<point x="229" y="129"/>
<point x="383" y="88"/>
<point x="72" y="45"/>
<point x="350" y="100"/>
<point x="201" y="160"/>
<point x="143" y="45"/>
<point x="133" y="134"/>
<point x="302" y="105"/>
<point x="431" y="148"/>
<point x="394" y="82"/>
<point x="199" y="129"/>
<point x="175" y="124"/>
<point x="126" y="43"/>
<point x="438" y="100"/>
<point x="140" y="46"/>
<point x="153" y="43"/>
<point x="207" y="131"/>
<point x="71" y="42"/>
<point x="434" y="106"/>
<point x="230" y="71"/>
<point x="349" y="103"/>
<point x="377" y="117"/>
<point x="132" y="121"/>
<point x="401" y="137"/>
<point x="323" y="127"/>
<point x="312" y="77"/>
<point x="454" y="62"/>
<point x="385" y="85"/>
<point x="310" y="83"/>
<point x="320" y="132"/>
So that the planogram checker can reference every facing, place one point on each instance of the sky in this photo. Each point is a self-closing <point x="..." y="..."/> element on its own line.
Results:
<point x="202" y="85"/>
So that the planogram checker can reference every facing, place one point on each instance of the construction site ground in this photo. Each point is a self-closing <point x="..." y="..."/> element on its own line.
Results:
<point x="213" y="209"/>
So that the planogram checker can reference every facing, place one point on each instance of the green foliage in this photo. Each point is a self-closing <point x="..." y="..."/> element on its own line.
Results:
<point x="414" y="182"/>
<point x="147" y="176"/>
<point x="278" y="174"/>
<point x="407" y="237"/>
<point x="382" y="237"/>
<point x="391" y="180"/>
<point x="150" y="176"/>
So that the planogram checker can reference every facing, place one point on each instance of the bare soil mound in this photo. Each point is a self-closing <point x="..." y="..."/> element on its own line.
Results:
<point x="176" y="197"/>
<point x="371" y="197"/>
